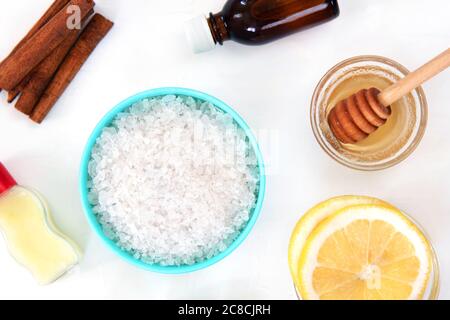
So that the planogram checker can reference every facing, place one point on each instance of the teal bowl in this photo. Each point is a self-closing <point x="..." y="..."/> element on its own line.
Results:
<point x="109" y="117"/>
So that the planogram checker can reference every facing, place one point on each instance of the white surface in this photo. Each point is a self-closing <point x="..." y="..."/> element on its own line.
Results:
<point x="270" y="87"/>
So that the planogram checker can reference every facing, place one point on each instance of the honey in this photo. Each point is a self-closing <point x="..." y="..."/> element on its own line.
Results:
<point x="393" y="135"/>
<point x="392" y="142"/>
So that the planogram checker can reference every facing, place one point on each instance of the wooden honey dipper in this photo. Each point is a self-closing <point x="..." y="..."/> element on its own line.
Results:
<point x="355" y="118"/>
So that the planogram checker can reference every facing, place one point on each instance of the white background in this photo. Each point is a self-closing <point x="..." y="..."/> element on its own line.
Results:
<point x="270" y="87"/>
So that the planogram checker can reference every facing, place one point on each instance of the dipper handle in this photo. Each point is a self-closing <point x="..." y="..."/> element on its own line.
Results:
<point x="415" y="79"/>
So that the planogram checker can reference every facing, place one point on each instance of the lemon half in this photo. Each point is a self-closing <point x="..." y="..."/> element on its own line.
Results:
<point x="311" y="220"/>
<point x="365" y="252"/>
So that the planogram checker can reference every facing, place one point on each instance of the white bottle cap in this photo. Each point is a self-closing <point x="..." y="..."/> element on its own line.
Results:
<point x="199" y="34"/>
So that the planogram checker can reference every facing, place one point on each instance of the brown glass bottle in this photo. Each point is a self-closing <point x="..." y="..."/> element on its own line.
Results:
<point x="255" y="22"/>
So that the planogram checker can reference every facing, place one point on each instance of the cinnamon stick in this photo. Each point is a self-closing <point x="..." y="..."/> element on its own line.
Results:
<point x="35" y="87"/>
<point x="91" y="36"/>
<point x="12" y="94"/>
<point x="17" y="66"/>
<point x="41" y="76"/>
<point x="56" y="6"/>
<point x="24" y="84"/>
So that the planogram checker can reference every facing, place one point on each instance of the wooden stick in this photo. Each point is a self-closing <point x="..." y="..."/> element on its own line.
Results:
<point x="56" y="6"/>
<point x="16" y="67"/>
<point x="91" y="36"/>
<point x="415" y="79"/>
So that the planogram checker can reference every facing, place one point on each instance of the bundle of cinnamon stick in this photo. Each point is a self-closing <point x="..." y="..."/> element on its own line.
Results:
<point x="46" y="60"/>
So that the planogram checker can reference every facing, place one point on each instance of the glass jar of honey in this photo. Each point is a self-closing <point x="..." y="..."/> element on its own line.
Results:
<point x="391" y="143"/>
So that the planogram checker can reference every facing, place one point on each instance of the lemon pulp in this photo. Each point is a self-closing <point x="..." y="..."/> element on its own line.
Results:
<point x="365" y="252"/>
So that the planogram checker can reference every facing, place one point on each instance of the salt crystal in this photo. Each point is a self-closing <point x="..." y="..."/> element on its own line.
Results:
<point x="164" y="185"/>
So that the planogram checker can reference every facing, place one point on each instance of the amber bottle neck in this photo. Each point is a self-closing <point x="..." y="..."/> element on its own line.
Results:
<point x="218" y="28"/>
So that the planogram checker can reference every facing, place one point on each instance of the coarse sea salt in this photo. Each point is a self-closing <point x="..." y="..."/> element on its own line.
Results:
<point x="173" y="180"/>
